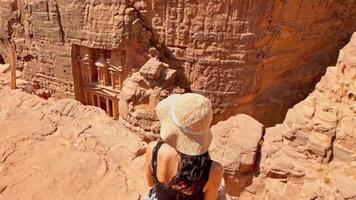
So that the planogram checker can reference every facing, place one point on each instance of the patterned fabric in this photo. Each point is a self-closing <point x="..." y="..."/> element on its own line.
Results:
<point x="221" y="196"/>
<point x="151" y="196"/>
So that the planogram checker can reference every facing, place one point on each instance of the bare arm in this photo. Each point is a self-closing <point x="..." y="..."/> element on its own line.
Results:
<point x="214" y="181"/>
<point x="148" y="167"/>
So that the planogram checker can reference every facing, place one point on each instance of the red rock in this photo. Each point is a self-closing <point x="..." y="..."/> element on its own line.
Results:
<point x="64" y="150"/>
<point x="266" y="55"/>
<point x="235" y="144"/>
<point x="316" y="142"/>
<point x="141" y="93"/>
<point x="252" y="57"/>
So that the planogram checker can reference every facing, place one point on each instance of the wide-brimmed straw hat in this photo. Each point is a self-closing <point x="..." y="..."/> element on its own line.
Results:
<point x="185" y="122"/>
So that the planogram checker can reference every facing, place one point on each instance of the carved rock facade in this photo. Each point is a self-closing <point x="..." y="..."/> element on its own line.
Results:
<point x="241" y="54"/>
<point x="311" y="155"/>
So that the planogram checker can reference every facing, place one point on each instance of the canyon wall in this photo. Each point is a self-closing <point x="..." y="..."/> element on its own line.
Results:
<point x="311" y="155"/>
<point x="253" y="57"/>
<point x="64" y="150"/>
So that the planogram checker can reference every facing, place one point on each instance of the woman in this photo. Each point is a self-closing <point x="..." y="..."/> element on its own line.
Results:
<point x="179" y="167"/>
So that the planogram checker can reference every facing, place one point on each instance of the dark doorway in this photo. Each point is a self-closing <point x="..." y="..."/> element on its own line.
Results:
<point x="2" y="61"/>
<point x="110" y="108"/>
<point x="102" y="102"/>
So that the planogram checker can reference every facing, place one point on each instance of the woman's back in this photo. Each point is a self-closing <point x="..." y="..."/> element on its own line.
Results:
<point x="174" y="176"/>
<point x="182" y="168"/>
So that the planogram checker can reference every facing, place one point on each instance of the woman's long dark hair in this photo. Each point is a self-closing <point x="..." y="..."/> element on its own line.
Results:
<point x="193" y="173"/>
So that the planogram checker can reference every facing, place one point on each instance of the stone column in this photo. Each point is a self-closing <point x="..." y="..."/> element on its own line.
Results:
<point x="108" y="106"/>
<point x="92" y="99"/>
<point x="115" y="109"/>
<point x="98" y="101"/>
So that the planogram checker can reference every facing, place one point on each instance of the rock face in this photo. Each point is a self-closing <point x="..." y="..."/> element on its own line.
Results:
<point x="240" y="54"/>
<point x="141" y="93"/>
<point x="328" y="114"/>
<point x="64" y="150"/>
<point x="312" y="154"/>
<point x="235" y="145"/>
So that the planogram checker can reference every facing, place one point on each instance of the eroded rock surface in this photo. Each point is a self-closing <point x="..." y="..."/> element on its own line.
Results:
<point x="312" y="154"/>
<point x="64" y="150"/>
<point x="141" y="93"/>
<point x="243" y="55"/>
<point x="236" y="145"/>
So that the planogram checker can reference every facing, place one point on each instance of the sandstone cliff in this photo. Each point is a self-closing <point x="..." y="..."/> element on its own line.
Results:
<point x="255" y="57"/>
<point x="312" y="155"/>
<point x="60" y="149"/>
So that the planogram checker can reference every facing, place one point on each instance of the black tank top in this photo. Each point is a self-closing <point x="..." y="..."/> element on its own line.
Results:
<point x="165" y="192"/>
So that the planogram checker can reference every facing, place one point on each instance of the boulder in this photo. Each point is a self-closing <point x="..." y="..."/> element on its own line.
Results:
<point x="140" y="94"/>
<point x="235" y="144"/>
<point x="152" y="68"/>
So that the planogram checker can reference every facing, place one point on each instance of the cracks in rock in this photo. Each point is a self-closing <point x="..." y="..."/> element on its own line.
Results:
<point x="140" y="152"/>
<point x="258" y="158"/>
<point x="16" y="144"/>
<point x="165" y="54"/>
<point x="97" y="149"/>
<point x="155" y="41"/>
<point x="16" y="19"/>
<point x="7" y="155"/>
<point x="140" y="17"/>
<point x="60" y="24"/>
<point x="331" y="149"/>
<point x="83" y="131"/>
<point x="2" y="189"/>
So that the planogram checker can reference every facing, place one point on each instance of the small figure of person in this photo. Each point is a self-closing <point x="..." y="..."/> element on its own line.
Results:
<point x="178" y="167"/>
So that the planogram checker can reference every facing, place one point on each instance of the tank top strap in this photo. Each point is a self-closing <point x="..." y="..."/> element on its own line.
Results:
<point x="154" y="160"/>
<point x="206" y="173"/>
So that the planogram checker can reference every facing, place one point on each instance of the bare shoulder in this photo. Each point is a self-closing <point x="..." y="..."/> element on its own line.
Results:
<point x="216" y="169"/>
<point x="168" y="150"/>
<point x="215" y="176"/>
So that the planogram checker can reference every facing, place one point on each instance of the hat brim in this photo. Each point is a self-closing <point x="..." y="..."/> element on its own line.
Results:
<point x="189" y="144"/>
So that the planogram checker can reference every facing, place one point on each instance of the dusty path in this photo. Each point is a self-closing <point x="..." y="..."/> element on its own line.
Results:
<point x="63" y="150"/>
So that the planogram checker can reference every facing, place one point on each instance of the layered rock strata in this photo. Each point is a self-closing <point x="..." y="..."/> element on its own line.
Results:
<point x="240" y="54"/>
<point x="64" y="150"/>
<point x="312" y="154"/>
